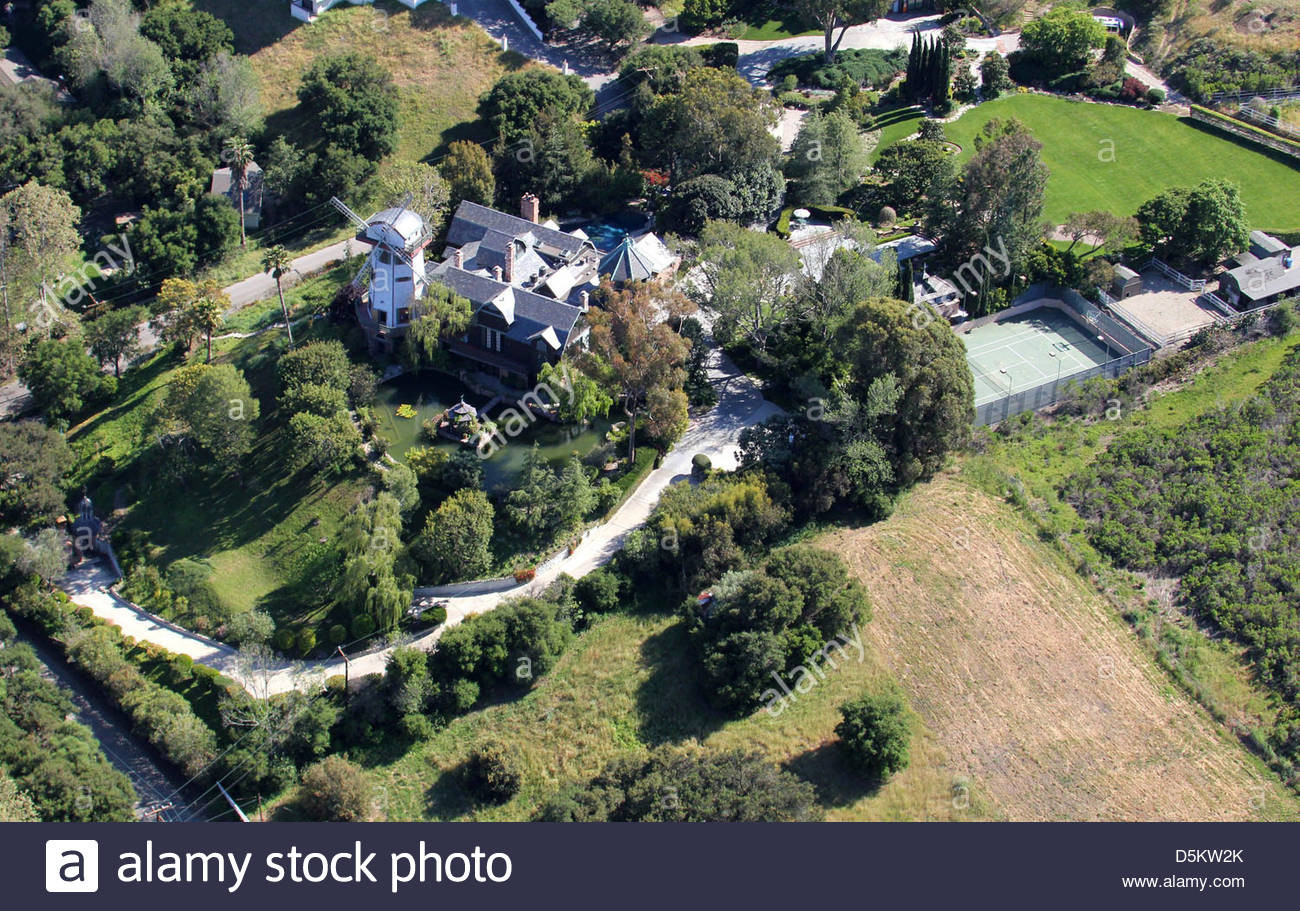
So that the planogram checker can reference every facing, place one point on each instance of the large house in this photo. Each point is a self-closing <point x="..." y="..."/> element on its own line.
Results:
<point x="1266" y="272"/>
<point x="527" y="284"/>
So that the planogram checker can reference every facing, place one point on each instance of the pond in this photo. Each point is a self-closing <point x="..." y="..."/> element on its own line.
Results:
<point x="431" y="393"/>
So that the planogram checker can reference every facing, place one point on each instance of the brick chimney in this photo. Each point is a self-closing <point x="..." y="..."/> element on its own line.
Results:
<point x="530" y="208"/>
<point x="459" y="260"/>
<point x="496" y="272"/>
<point x="510" y="263"/>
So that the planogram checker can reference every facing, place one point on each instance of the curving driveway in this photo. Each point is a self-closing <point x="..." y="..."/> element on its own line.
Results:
<point x="716" y="433"/>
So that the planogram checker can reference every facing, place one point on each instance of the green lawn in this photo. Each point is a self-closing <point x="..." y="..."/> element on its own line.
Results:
<point x="1151" y="151"/>
<point x="895" y="126"/>
<point x="267" y="535"/>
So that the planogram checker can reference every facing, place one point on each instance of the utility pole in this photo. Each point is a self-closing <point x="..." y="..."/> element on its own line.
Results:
<point x="347" y="672"/>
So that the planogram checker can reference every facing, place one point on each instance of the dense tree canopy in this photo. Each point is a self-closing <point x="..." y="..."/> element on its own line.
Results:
<point x="33" y="462"/>
<point x="1062" y="39"/>
<point x="513" y="105"/>
<point x="686" y="785"/>
<point x="353" y="102"/>
<point x="1203" y="223"/>
<point x="936" y="391"/>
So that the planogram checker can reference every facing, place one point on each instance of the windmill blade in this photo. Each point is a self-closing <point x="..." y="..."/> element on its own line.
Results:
<point x="351" y="216"/>
<point x="363" y="273"/>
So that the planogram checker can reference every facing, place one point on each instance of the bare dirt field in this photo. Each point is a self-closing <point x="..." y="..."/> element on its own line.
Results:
<point x="1030" y="683"/>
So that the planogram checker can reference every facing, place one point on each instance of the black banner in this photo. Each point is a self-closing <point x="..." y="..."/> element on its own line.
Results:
<point x="414" y="865"/>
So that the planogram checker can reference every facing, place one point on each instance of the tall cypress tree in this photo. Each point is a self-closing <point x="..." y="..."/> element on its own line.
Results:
<point x="913" y="67"/>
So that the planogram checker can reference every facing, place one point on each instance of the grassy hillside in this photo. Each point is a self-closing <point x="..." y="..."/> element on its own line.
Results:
<point x="1029" y="681"/>
<point x="1151" y="151"/>
<point x="263" y="537"/>
<point x="441" y="63"/>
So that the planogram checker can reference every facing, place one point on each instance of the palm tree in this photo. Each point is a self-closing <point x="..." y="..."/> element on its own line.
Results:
<point x="241" y="156"/>
<point x="209" y="311"/>
<point x="276" y="261"/>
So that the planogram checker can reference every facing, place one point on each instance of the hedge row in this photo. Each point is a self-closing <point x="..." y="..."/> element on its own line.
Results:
<point x="162" y="717"/>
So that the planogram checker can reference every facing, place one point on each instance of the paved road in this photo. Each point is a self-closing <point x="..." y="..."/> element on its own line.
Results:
<point x="757" y="57"/>
<point x="500" y="21"/>
<point x="740" y="405"/>
<point x="154" y="785"/>
<point x="15" y="399"/>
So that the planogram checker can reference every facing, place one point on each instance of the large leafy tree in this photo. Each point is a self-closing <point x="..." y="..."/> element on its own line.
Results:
<point x="353" y="103"/>
<point x="63" y="378"/>
<point x="116" y="335"/>
<point x="874" y="730"/>
<point x="635" y="351"/>
<point x="996" y="203"/>
<point x="1062" y="39"/>
<point x="717" y="124"/>
<point x="745" y="278"/>
<point x="1205" y="222"/>
<point x="910" y="169"/>
<point x="375" y="581"/>
<point x="42" y="240"/>
<point x="457" y="537"/>
<point x="33" y="463"/>
<point x="441" y="314"/>
<point x="426" y="188"/>
<point x="214" y="406"/>
<point x="513" y="105"/>
<point x="936" y="393"/>
<point x="468" y="172"/>
<point x="578" y="398"/>
<point x="835" y="17"/>
<point x="826" y="159"/>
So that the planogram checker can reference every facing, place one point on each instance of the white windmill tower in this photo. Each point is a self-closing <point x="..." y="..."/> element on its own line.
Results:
<point x="395" y="266"/>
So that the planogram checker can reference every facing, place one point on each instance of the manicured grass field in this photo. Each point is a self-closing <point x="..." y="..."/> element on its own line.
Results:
<point x="1151" y="151"/>
<point x="896" y="126"/>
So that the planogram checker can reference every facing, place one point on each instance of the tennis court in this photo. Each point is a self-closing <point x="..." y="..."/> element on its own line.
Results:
<point x="1030" y="349"/>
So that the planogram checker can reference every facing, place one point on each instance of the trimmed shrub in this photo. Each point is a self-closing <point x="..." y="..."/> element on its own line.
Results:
<point x="307" y="641"/>
<point x="700" y="464"/>
<point x="599" y="592"/>
<point x="335" y="790"/>
<point x="362" y="625"/>
<point x="284" y="639"/>
<point x="338" y="634"/>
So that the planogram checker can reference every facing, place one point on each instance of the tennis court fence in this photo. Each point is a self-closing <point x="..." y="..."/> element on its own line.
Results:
<point x="1051" y="392"/>
<point x="1138" y="352"/>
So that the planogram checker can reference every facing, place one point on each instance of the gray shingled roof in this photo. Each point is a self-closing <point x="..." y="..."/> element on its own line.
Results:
<point x="533" y="312"/>
<point x="473" y="222"/>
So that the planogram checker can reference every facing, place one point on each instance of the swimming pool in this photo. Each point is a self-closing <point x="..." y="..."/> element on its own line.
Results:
<point x="608" y="232"/>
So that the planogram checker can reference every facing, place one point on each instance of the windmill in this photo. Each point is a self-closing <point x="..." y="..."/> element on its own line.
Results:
<point x="395" y="266"/>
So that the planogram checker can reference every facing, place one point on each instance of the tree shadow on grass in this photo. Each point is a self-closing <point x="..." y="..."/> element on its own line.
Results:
<point x="446" y="798"/>
<point x="670" y="705"/>
<point x="826" y="769"/>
